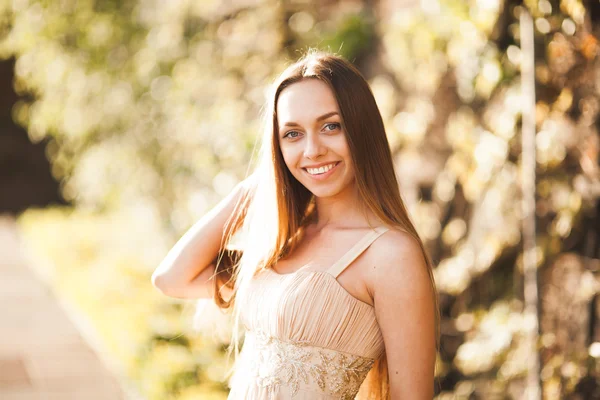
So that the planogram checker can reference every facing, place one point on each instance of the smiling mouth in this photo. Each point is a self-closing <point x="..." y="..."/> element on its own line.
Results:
<point x="321" y="170"/>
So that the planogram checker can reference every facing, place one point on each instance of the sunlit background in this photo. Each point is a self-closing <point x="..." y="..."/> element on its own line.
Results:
<point x="124" y="121"/>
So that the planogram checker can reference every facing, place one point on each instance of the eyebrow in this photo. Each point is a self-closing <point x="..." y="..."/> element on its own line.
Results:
<point x="322" y="117"/>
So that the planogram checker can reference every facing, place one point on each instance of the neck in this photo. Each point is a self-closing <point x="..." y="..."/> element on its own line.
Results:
<point x="344" y="210"/>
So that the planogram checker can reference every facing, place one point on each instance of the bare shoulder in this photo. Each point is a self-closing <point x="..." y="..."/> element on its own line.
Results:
<point x="396" y="241"/>
<point x="397" y="261"/>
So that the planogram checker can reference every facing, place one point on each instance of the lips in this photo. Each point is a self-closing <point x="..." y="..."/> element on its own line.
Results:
<point x="325" y="172"/>
<point x="324" y="168"/>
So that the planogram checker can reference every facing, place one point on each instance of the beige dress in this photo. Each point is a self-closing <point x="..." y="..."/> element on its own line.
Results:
<point x="307" y="337"/>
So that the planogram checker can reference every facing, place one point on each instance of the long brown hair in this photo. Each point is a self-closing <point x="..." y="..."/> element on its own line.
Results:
<point x="278" y="207"/>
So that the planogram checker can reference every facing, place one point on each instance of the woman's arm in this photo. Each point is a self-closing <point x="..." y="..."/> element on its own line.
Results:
<point x="187" y="269"/>
<point x="405" y="310"/>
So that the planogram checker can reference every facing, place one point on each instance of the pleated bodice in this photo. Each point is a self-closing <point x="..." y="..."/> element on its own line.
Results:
<point x="307" y="337"/>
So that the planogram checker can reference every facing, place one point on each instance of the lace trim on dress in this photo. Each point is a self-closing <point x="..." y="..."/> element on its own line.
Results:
<point x="275" y="362"/>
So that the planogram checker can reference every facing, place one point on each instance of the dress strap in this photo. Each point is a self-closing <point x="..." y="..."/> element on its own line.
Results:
<point x="340" y="265"/>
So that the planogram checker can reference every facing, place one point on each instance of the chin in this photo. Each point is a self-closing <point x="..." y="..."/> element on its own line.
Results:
<point x="324" y="193"/>
<point x="325" y="190"/>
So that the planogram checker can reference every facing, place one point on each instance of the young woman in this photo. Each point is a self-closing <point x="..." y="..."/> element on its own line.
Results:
<point x="332" y="283"/>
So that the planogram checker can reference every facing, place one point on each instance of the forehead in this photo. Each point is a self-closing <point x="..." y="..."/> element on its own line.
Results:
<point x="302" y="102"/>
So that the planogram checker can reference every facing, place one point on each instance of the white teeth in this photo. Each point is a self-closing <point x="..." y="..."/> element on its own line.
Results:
<point x="321" y="170"/>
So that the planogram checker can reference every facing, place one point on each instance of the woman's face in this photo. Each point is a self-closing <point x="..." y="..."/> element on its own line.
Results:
<point x="312" y="139"/>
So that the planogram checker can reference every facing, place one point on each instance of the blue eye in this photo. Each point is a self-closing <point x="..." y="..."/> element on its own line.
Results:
<point x="289" y="134"/>
<point x="335" y="125"/>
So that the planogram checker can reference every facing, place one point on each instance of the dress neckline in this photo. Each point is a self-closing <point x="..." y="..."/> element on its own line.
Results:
<point x="321" y="273"/>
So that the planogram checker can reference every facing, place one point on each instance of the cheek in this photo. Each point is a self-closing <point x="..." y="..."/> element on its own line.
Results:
<point x="340" y="144"/>
<point x="288" y="158"/>
<point x="351" y="172"/>
<point x="344" y="152"/>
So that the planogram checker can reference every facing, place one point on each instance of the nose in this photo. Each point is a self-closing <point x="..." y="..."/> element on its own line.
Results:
<point x="314" y="148"/>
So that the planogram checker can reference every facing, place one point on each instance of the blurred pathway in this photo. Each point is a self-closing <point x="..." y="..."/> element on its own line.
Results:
<point x="42" y="355"/>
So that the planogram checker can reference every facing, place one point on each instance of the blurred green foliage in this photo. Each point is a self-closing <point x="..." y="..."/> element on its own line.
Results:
<point x="152" y="111"/>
